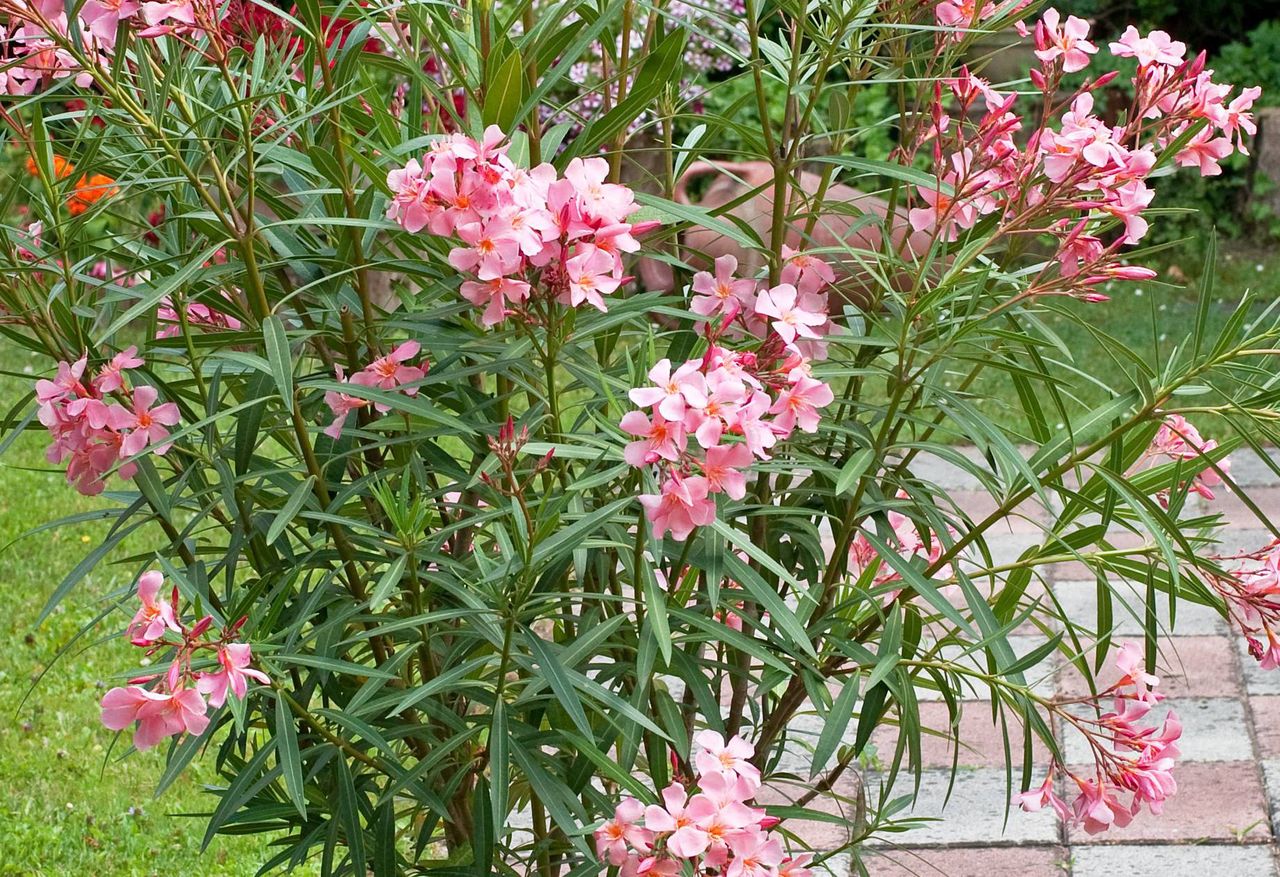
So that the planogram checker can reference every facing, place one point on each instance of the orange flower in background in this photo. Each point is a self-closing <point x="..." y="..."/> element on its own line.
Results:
<point x="61" y="167"/>
<point x="89" y="190"/>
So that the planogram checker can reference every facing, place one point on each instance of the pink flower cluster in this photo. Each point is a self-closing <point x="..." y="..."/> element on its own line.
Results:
<point x="175" y="702"/>
<point x="526" y="236"/>
<point x="94" y="433"/>
<point x="971" y="14"/>
<point x="1129" y="758"/>
<point x="708" y="824"/>
<point x="758" y="395"/>
<point x="907" y="540"/>
<point x="1179" y="440"/>
<point x="1073" y="181"/>
<point x="34" y="56"/>
<point x="196" y="313"/>
<point x="38" y="30"/>
<point x="1250" y="588"/>
<point x="389" y="372"/>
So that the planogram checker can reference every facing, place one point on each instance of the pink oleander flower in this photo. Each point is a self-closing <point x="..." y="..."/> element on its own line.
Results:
<point x="409" y="197"/>
<point x="392" y="371"/>
<point x="1177" y="439"/>
<point x="158" y="715"/>
<point x="609" y="203"/>
<point x="110" y="378"/>
<point x="755" y="854"/>
<point x="155" y="616"/>
<point x="1203" y="152"/>
<point x="591" y="275"/>
<point x="103" y="17"/>
<point x="493" y="250"/>
<point x="789" y="318"/>
<point x="798" y="404"/>
<point x="146" y="422"/>
<point x="1036" y="799"/>
<point x="1066" y="40"/>
<point x="944" y="213"/>
<point x="672" y="391"/>
<point x="662" y="439"/>
<point x="1156" y="47"/>
<point x="724" y="293"/>
<point x="623" y="831"/>
<point x="687" y="839"/>
<point x="725" y="470"/>
<point x="233" y="674"/>
<point x="493" y="296"/>
<point x="804" y="271"/>
<point x="341" y="405"/>
<point x="730" y="757"/>
<point x="681" y="507"/>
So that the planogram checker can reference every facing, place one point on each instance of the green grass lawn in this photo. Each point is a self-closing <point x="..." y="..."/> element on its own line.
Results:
<point x="1148" y="318"/>
<point x="73" y="806"/>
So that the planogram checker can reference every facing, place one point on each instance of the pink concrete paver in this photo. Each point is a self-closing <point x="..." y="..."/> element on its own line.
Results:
<point x="1240" y="516"/>
<point x="981" y="741"/>
<point x="1221" y="801"/>
<point x="970" y="862"/>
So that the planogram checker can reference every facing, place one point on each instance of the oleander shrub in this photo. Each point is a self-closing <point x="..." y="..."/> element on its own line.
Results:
<point x="470" y="554"/>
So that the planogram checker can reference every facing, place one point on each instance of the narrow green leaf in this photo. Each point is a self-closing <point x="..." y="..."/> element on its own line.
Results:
<point x="290" y="509"/>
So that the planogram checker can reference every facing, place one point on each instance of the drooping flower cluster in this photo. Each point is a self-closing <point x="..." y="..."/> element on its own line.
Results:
<point x="1129" y="758"/>
<point x="1179" y="440"/>
<point x="1075" y="179"/>
<point x="178" y="700"/>
<point x="389" y="372"/>
<point x="1250" y="588"/>
<point x="709" y="419"/>
<point x="170" y="316"/>
<point x="975" y="14"/>
<point x="102" y="422"/>
<point x="526" y="237"/>
<point x="707" y="824"/>
<point x="908" y="540"/>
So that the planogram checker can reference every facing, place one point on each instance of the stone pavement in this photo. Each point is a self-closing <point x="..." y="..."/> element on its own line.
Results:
<point x="1225" y="818"/>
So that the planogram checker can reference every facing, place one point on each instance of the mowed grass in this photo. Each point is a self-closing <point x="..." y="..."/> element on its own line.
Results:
<point x="1151" y="319"/>
<point x="70" y="804"/>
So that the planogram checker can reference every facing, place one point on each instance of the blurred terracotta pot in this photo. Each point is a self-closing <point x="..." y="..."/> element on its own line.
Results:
<point x="849" y="218"/>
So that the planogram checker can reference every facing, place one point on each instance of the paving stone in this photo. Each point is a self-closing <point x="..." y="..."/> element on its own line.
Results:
<point x="1038" y="861"/>
<point x="1079" y="601"/>
<point x="1271" y="779"/>
<point x="1213" y="729"/>
<point x="975" y="813"/>
<point x="1188" y="666"/>
<point x="981" y="741"/>
<point x="1248" y="469"/>
<point x="1214" y="802"/>
<point x="1266" y="724"/>
<point x="1240" y="516"/>
<point x="1186" y="860"/>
